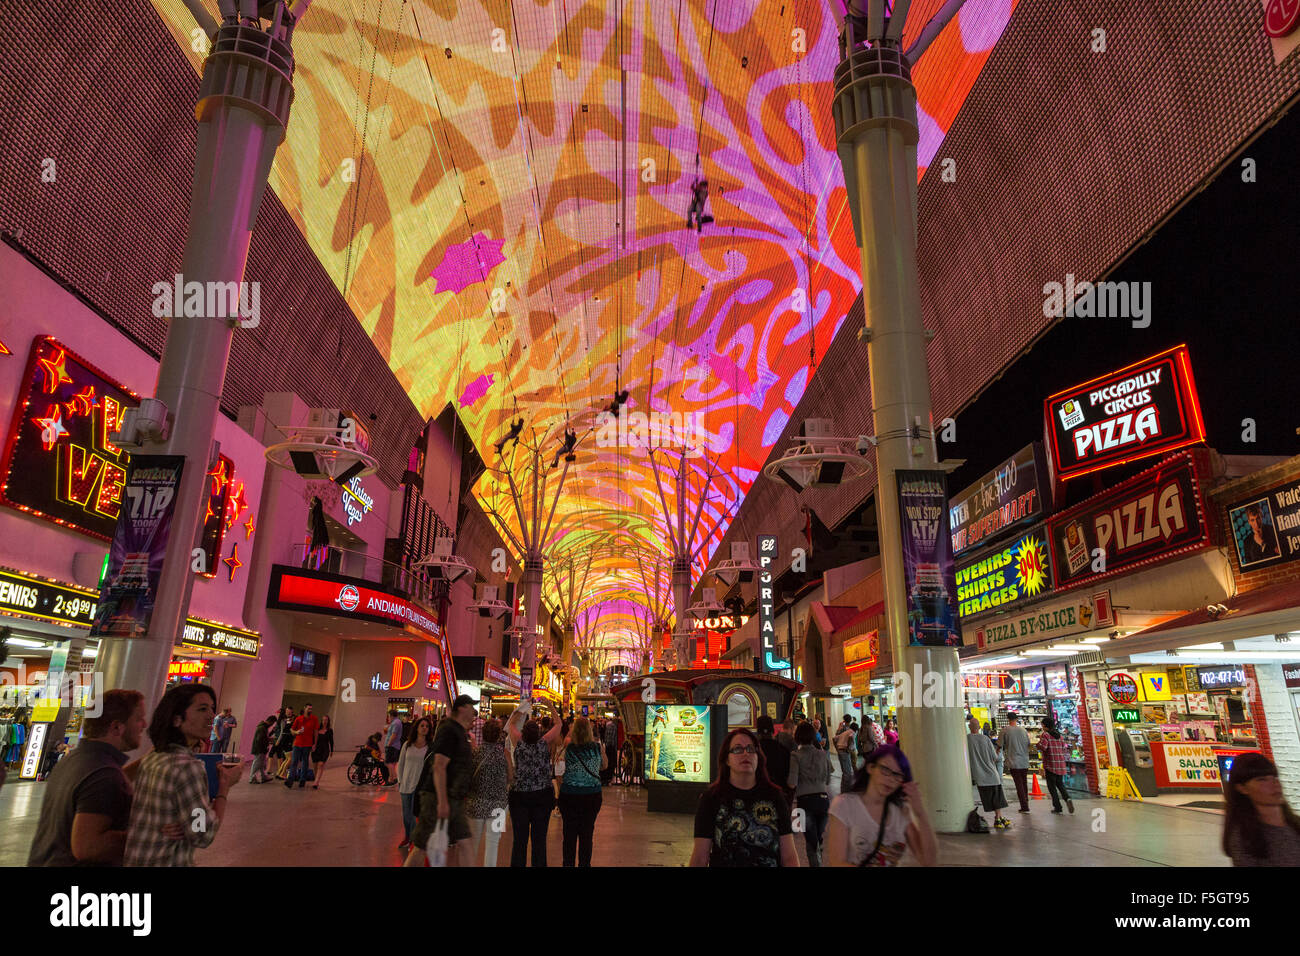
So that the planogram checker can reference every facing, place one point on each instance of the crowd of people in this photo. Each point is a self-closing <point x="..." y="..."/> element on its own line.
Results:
<point x="461" y="777"/>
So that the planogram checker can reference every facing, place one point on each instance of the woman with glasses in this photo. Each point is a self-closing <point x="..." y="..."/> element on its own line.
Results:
<point x="1259" y="828"/>
<point x="881" y="817"/>
<point x="743" y="819"/>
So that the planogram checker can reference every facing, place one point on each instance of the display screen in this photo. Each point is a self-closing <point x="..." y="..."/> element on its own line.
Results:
<point x="1214" y="677"/>
<point x="677" y="743"/>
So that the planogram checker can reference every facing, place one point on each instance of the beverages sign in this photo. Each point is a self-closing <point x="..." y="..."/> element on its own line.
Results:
<point x="1007" y="496"/>
<point x="1151" y="517"/>
<point x="1142" y="410"/>
<point x="1006" y="577"/>
<point x="59" y="463"/>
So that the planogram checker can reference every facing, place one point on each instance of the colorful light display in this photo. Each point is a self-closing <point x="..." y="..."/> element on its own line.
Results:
<point x="502" y="191"/>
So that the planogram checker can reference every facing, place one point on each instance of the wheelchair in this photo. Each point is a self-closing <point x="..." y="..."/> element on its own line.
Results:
<point x="365" y="770"/>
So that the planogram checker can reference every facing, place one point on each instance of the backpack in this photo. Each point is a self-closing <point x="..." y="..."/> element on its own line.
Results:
<point x="976" y="823"/>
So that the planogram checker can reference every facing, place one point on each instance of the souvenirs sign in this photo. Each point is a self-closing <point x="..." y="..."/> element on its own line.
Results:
<point x="1153" y="516"/>
<point x="1007" y="577"/>
<point x="1144" y="409"/>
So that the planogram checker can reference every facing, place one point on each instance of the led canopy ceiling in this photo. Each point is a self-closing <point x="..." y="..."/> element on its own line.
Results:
<point x="501" y="190"/>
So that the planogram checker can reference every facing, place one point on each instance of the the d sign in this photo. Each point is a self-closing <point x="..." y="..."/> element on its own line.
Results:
<point x="400" y="683"/>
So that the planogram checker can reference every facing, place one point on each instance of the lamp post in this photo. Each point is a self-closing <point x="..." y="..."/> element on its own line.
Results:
<point x="243" y="108"/>
<point x="874" y="106"/>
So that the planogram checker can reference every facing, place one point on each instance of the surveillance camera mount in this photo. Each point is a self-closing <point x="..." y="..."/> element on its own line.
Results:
<point x="333" y="454"/>
<point x="822" y="462"/>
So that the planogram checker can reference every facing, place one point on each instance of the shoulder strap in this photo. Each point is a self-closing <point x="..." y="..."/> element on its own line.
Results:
<point x="880" y="837"/>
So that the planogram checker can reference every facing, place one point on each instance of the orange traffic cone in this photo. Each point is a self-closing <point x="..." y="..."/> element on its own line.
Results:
<point x="1037" y="792"/>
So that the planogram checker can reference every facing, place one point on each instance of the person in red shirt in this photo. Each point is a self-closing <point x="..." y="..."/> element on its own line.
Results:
<point x="304" y="739"/>
<point x="1054" y="750"/>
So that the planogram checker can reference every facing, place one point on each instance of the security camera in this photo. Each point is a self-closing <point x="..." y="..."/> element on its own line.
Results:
<point x="866" y="443"/>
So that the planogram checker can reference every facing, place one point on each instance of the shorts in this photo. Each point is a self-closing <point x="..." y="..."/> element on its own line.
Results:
<point x="457" y="823"/>
<point x="993" y="798"/>
<point x="391" y="754"/>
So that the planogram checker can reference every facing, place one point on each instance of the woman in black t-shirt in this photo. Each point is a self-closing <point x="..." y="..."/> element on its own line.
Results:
<point x="744" y="818"/>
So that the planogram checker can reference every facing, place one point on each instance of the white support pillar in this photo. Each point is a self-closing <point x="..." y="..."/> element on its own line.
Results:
<point x="875" y="117"/>
<point x="243" y="108"/>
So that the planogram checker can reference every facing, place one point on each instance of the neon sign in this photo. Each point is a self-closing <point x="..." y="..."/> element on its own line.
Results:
<point x="767" y="604"/>
<point x="59" y="463"/>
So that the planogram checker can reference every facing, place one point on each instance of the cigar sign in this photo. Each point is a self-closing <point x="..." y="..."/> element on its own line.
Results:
<point x="1145" y="409"/>
<point x="1155" y="515"/>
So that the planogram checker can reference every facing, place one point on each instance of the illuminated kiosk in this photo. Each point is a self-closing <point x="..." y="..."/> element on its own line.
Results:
<point x="664" y="742"/>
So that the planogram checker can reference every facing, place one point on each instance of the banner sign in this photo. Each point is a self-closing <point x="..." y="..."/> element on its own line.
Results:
<point x="46" y="601"/>
<point x="1053" y="621"/>
<point x="525" y="684"/>
<point x="927" y="559"/>
<point x="1144" y="409"/>
<point x="135" y="558"/>
<point x="1005" y="497"/>
<point x="218" y="637"/>
<point x="767" y="605"/>
<point x="1153" y="516"/>
<point x="500" y="676"/>
<point x="1005" y="578"/>
<point x="295" y="589"/>
<point x="59" y="463"/>
<point x="1265" y="527"/>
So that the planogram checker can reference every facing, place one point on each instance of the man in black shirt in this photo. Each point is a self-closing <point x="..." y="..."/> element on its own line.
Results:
<point x="776" y="756"/>
<point x="445" y="784"/>
<point x="87" y="803"/>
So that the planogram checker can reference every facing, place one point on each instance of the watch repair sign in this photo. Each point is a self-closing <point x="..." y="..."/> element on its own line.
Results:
<point x="1142" y="410"/>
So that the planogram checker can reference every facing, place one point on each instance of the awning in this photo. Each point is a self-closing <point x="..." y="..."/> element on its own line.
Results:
<point x="1257" y="613"/>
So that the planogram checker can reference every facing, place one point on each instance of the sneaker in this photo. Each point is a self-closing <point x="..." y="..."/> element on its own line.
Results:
<point x="1058" y="810"/>
<point x="1070" y="803"/>
<point x="1024" y="811"/>
<point x="1002" y="823"/>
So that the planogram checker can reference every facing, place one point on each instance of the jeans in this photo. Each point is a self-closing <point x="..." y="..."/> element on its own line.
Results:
<point x="408" y="813"/>
<point x="816" y="812"/>
<point x="301" y="759"/>
<point x="258" y="774"/>
<point x="1055" y="785"/>
<point x="846" y="771"/>
<point x="482" y="832"/>
<point x="1021" y="777"/>
<point x="530" y="815"/>
<point x="579" y="811"/>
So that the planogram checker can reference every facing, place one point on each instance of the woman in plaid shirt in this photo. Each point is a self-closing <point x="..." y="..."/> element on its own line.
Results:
<point x="1054" y="751"/>
<point x="170" y="813"/>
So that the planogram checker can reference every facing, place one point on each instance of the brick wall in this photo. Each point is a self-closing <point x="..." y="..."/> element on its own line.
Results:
<point x="1275" y="725"/>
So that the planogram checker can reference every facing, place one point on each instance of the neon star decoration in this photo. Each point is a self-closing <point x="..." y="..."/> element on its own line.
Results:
<point x="51" y="427"/>
<point x="220" y="476"/>
<point x="55" y="369"/>
<point x="84" y="401"/>
<point x="468" y="262"/>
<point x="4" y="349"/>
<point x="233" y="562"/>
<point x="249" y="527"/>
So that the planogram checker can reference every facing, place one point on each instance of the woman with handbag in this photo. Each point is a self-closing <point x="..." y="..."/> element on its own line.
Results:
<point x="882" y="817"/>
<point x="489" y="791"/>
<point x="584" y="760"/>
<point x="410" y="768"/>
<point x="531" y="796"/>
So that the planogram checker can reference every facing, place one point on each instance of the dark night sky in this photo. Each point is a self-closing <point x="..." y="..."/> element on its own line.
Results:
<point x="1225" y="275"/>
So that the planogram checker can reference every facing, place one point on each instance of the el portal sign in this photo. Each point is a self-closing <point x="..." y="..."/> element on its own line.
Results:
<point x="1147" y="408"/>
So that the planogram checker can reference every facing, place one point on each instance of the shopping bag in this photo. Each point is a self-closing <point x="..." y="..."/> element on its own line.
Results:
<point x="436" y="850"/>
